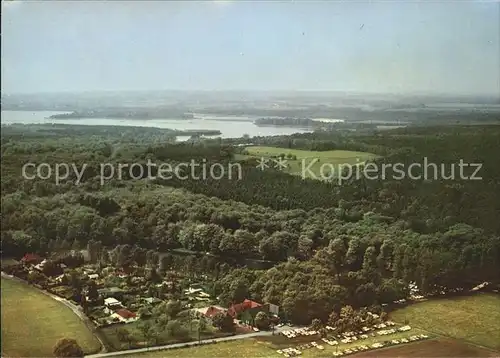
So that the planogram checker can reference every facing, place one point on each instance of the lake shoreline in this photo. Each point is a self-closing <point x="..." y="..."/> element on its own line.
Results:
<point x="228" y="127"/>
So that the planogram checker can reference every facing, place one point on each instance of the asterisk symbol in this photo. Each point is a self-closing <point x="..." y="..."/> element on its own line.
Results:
<point x="262" y="163"/>
<point x="280" y="163"/>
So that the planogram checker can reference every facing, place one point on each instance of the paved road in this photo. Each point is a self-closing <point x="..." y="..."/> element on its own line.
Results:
<point x="181" y="345"/>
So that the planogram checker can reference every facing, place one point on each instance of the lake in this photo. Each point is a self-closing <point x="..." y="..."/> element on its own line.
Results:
<point x="229" y="128"/>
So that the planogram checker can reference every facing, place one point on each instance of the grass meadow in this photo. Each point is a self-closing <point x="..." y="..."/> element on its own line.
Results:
<point x="319" y="163"/>
<point x="474" y="319"/>
<point x="244" y="348"/>
<point x="32" y="322"/>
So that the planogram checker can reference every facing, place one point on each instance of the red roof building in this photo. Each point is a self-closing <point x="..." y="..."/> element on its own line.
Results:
<point x="212" y="311"/>
<point x="125" y="313"/>
<point x="236" y="309"/>
<point x="31" y="259"/>
<point x="251" y="304"/>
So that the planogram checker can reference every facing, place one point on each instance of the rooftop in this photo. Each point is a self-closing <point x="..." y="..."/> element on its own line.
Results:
<point x="210" y="311"/>
<point x="31" y="257"/>
<point x="152" y="300"/>
<point x="111" y="301"/>
<point x="243" y="306"/>
<point x="125" y="313"/>
<point x="191" y="290"/>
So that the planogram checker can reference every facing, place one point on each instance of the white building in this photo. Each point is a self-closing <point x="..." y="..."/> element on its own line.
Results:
<point x="192" y="291"/>
<point x="125" y="316"/>
<point x="112" y="303"/>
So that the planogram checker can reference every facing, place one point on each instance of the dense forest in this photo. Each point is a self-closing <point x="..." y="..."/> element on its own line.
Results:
<point x="383" y="114"/>
<point x="358" y="242"/>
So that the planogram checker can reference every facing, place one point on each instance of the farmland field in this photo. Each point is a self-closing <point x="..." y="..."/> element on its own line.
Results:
<point x="475" y="319"/>
<point x="266" y="346"/>
<point x="440" y="347"/>
<point x="244" y="348"/>
<point x="431" y="348"/>
<point x="320" y="163"/>
<point x="32" y="322"/>
<point x="281" y="342"/>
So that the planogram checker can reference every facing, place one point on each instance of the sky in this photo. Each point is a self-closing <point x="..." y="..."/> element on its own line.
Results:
<point x="382" y="47"/>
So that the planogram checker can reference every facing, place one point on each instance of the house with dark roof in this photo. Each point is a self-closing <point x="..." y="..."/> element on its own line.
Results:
<point x="115" y="292"/>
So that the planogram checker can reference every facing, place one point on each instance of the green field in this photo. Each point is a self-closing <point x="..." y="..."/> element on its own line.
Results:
<point x="32" y="322"/>
<point x="320" y="163"/>
<point x="475" y="319"/>
<point x="244" y="348"/>
<point x="249" y="348"/>
<point x="266" y="346"/>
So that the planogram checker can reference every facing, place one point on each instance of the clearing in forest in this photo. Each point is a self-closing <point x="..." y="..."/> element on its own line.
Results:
<point x="324" y="164"/>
